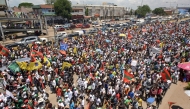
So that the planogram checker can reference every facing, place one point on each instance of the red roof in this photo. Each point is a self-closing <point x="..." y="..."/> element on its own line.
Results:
<point x="16" y="9"/>
<point x="46" y="6"/>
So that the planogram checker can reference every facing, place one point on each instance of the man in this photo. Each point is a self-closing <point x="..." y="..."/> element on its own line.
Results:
<point x="176" y="77"/>
<point x="127" y="102"/>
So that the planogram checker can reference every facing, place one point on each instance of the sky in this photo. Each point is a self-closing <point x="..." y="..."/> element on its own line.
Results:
<point x="126" y="3"/>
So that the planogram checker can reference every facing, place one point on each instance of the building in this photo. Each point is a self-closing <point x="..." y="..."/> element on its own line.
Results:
<point x="105" y="11"/>
<point x="3" y="6"/>
<point x="46" y="10"/>
<point x="169" y="11"/>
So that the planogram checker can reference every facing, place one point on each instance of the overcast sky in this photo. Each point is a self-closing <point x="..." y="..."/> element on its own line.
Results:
<point x="126" y="3"/>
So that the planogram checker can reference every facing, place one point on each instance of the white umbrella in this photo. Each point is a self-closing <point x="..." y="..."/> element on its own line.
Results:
<point x="187" y="92"/>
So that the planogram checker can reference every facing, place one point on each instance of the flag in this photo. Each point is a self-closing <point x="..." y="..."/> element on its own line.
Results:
<point x="63" y="46"/>
<point x="36" y="53"/>
<point x="161" y="44"/>
<point x="34" y="66"/>
<point x="33" y="59"/>
<point x="129" y="35"/>
<point x="47" y="51"/>
<point x="75" y="50"/>
<point x="62" y="52"/>
<point x="22" y="65"/>
<point x="66" y="64"/>
<point x="4" y="51"/>
<point x="14" y="67"/>
<point x="170" y="104"/>
<point x="33" y="53"/>
<point x="34" y="45"/>
<point x="165" y="75"/>
<point x="46" y="62"/>
<point x="102" y="66"/>
<point x="127" y="76"/>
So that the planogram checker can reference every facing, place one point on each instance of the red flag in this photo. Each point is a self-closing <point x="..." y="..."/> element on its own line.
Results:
<point x="36" y="53"/>
<point x="129" y="35"/>
<point x="4" y="51"/>
<point x="33" y="59"/>
<point x="165" y="75"/>
<point x="144" y="47"/>
<point x="91" y="76"/>
<point x="34" y="45"/>
<point x="127" y="76"/>
<point x="47" y="51"/>
<point x="102" y="66"/>
<point x="170" y="104"/>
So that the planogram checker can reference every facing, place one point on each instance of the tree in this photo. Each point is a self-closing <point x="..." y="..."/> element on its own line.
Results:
<point x="131" y="12"/>
<point x="50" y="1"/>
<point x="26" y="5"/>
<point x="86" y="12"/>
<point x="159" y="11"/>
<point x="143" y="10"/>
<point x="63" y="8"/>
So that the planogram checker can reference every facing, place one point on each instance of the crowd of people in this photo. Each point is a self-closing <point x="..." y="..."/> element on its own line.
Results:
<point x="117" y="69"/>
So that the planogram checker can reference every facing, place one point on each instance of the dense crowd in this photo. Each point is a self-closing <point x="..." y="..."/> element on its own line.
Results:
<point x="114" y="69"/>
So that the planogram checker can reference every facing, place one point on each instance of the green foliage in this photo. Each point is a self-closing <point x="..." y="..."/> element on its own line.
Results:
<point x="63" y="8"/>
<point x="159" y="11"/>
<point x="50" y="1"/>
<point x="188" y="86"/>
<point x="131" y="12"/>
<point x="26" y="5"/>
<point x="86" y="12"/>
<point x="143" y="10"/>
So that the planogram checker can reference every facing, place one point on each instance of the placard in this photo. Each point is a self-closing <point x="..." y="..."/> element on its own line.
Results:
<point x="134" y="63"/>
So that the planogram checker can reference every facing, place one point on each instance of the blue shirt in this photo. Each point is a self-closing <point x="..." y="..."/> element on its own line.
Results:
<point x="131" y="94"/>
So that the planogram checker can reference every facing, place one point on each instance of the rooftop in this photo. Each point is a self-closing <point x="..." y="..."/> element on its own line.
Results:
<point x="43" y="6"/>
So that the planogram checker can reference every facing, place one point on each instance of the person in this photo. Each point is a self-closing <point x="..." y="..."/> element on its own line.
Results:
<point x="127" y="102"/>
<point x="176" y="74"/>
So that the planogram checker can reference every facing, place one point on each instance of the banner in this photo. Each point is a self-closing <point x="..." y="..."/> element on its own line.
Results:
<point x="63" y="46"/>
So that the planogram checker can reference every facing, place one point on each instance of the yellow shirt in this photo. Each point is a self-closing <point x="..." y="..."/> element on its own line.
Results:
<point x="140" y="102"/>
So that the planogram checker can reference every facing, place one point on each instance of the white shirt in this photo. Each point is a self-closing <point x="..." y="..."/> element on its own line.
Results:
<point x="82" y="103"/>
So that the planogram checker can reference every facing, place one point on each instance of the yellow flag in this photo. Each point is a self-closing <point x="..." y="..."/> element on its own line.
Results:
<point x="22" y="65"/>
<point x="161" y="44"/>
<point x="46" y="62"/>
<point x="34" y="66"/>
<point x="75" y="50"/>
<point x="66" y="64"/>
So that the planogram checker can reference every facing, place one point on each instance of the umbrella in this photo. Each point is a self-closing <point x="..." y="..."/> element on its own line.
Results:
<point x="62" y="52"/>
<point x="150" y="100"/>
<point x="187" y="92"/>
<point x="98" y="50"/>
<point x="122" y="35"/>
<point x="185" y="65"/>
<point x="108" y="41"/>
